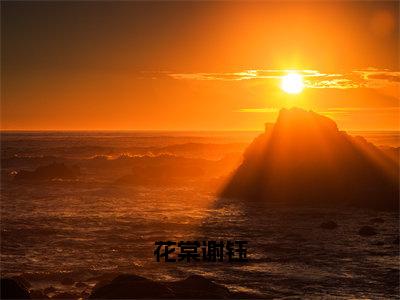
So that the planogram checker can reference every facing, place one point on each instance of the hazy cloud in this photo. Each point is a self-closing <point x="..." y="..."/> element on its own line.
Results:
<point x="368" y="78"/>
<point x="330" y="111"/>
<point x="378" y="78"/>
<point x="245" y="75"/>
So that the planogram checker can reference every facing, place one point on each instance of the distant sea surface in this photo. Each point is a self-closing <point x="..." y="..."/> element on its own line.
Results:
<point x="159" y="138"/>
<point x="94" y="225"/>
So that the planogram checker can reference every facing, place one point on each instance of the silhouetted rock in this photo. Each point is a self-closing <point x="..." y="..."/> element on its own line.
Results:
<point x="104" y="277"/>
<point x="193" y="287"/>
<point x="377" y="220"/>
<point x="67" y="281"/>
<point x="199" y="287"/>
<point x="304" y="158"/>
<point x="22" y="281"/>
<point x="49" y="172"/>
<point x="367" y="231"/>
<point x="50" y="289"/>
<point x="244" y="295"/>
<point x="65" y="295"/>
<point x="378" y="243"/>
<point x="131" y="286"/>
<point x="38" y="294"/>
<point x="80" y="285"/>
<point x="12" y="289"/>
<point x="329" y="225"/>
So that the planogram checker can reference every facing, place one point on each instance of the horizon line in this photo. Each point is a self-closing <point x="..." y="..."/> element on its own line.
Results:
<point x="173" y="130"/>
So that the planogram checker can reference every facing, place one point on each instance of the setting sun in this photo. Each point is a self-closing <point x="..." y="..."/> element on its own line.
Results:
<point x="292" y="83"/>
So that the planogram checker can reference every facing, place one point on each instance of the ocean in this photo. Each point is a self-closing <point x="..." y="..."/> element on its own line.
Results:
<point x="136" y="188"/>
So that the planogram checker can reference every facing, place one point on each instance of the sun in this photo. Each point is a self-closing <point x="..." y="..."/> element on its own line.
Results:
<point x="292" y="83"/>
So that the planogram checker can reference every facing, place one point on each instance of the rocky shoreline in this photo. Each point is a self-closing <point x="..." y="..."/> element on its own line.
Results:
<point x="130" y="286"/>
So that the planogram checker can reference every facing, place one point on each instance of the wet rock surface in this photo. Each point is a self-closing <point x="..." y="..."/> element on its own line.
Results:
<point x="67" y="281"/>
<point x="367" y="231"/>
<point x="49" y="172"/>
<point x="65" y="295"/>
<point x="50" y="289"/>
<point x="133" y="286"/>
<point x="38" y="294"/>
<point x="12" y="289"/>
<point x="377" y="221"/>
<point x="329" y="225"/>
<point x="80" y="284"/>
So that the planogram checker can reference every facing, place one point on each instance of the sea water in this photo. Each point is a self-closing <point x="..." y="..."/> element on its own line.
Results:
<point x="89" y="227"/>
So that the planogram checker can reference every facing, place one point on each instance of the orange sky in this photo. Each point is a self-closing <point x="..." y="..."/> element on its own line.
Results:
<point x="196" y="65"/>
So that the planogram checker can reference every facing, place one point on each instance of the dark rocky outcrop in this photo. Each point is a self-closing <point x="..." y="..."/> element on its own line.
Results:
<point x="378" y="243"/>
<point x="304" y="159"/>
<point x="12" y="289"/>
<point x="198" y="287"/>
<point x="133" y="286"/>
<point x="67" y="281"/>
<point x="38" y="294"/>
<point x="65" y="295"/>
<point x="377" y="220"/>
<point x="49" y="172"/>
<point x="329" y="225"/>
<point x="50" y="289"/>
<point x="367" y="231"/>
<point x="80" y="285"/>
<point x="22" y="281"/>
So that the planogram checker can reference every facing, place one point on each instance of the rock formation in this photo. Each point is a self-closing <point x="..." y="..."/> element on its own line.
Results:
<point x="49" y="172"/>
<point x="12" y="289"/>
<point x="304" y="158"/>
<point x="129" y="286"/>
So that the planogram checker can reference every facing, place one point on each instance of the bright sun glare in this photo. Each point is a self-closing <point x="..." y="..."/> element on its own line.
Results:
<point x="292" y="83"/>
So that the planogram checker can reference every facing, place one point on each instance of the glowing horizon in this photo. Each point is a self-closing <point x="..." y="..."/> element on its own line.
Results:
<point x="135" y="67"/>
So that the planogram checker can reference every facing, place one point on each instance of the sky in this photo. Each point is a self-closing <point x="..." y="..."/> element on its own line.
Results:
<point x="196" y="65"/>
